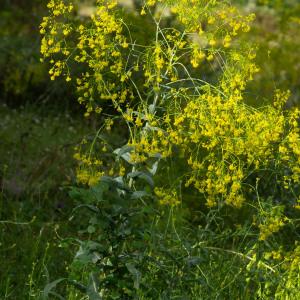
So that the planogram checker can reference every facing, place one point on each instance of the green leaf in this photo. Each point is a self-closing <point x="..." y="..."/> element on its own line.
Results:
<point x="91" y="229"/>
<point x="135" y="273"/>
<point x="124" y="152"/>
<point x="153" y="168"/>
<point x="99" y="190"/>
<point x="57" y="295"/>
<point x="90" y="195"/>
<point x="139" y="194"/>
<point x="115" y="183"/>
<point x="49" y="287"/>
<point x="142" y="175"/>
<point x="92" y="289"/>
<point x="88" y="252"/>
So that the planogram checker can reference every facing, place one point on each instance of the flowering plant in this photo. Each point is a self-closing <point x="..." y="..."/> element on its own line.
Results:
<point x="169" y="110"/>
<point x="186" y="136"/>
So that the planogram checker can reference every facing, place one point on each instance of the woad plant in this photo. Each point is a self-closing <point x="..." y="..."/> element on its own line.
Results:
<point x="183" y="179"/>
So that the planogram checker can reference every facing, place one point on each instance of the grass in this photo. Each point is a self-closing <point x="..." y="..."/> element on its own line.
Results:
<point x="36" y="164"/>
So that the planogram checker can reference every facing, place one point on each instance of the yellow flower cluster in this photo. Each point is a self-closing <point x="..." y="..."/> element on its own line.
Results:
<point x="91" y="165"/>
<point x="150" y="143"/>
<point x="272" y="225"/>
<point x="219" y="139"/>
<point x="88" y="170"/>
<point x="97" y="46"/>
<point x="167" y="197"/>
<point x="216" y="24"/>
<point x="53" y="31"/>
<point x="223" y="141"/>
<point x="289" y="286"/>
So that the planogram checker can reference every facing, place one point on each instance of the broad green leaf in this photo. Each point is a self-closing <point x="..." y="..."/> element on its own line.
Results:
<point x="142" y="175"/>
<point x="92" y="289"/>
<point x="135" y="273"/>
<point x="49" y="287"/>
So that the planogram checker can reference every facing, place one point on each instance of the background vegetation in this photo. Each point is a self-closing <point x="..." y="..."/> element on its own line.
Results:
<point x="60" y="239"/>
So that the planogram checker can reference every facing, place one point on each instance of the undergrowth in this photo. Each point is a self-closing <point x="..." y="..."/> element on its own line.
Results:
<point x="36" y="143"/>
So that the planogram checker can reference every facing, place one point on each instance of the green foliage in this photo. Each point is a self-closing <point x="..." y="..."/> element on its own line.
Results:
<point x="34" y="142"/>
<point x="185" y="191"/>
<point x="132" y="249"/>
<point x="35" y="165"/>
